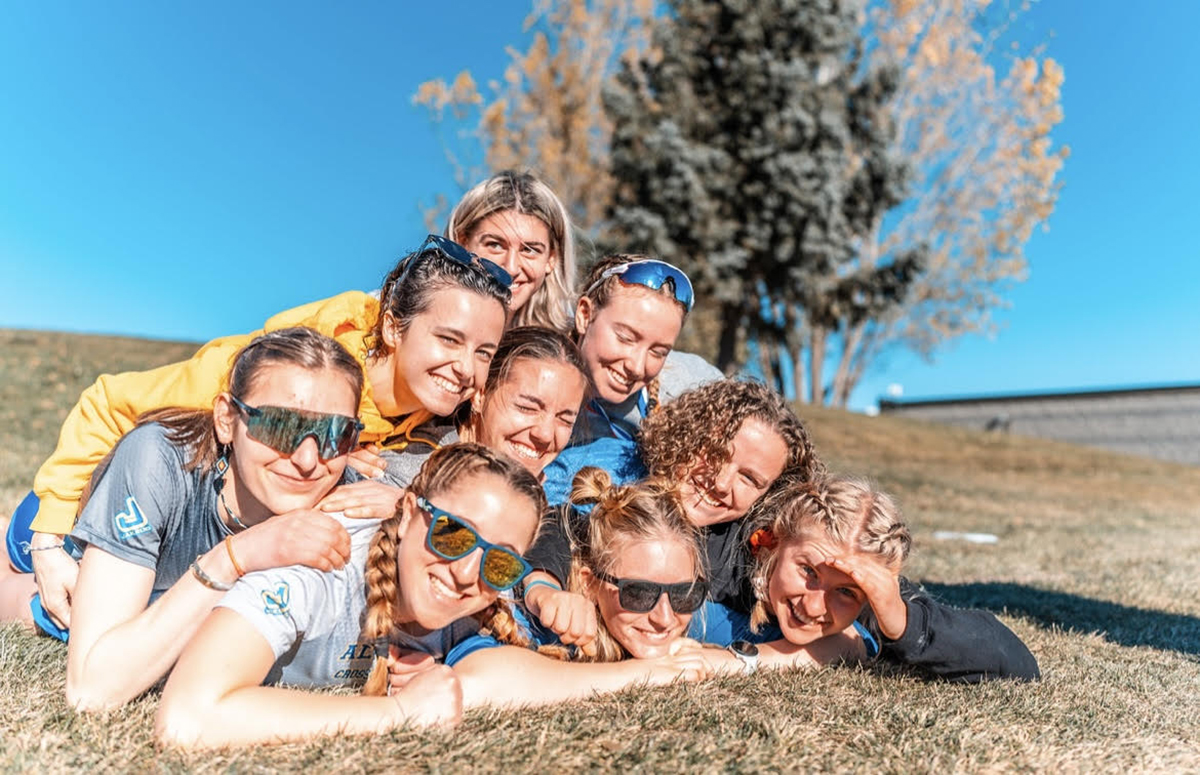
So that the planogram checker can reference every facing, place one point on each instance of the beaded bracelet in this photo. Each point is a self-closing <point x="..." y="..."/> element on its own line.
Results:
<point x="206" y="579"/>
<point x="47" y="548"/>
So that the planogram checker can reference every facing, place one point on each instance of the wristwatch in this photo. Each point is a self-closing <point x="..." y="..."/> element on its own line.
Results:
<point x="746" y="653"/>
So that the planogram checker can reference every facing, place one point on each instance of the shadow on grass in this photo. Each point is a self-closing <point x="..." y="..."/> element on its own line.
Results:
<point x="1118" y="623"/>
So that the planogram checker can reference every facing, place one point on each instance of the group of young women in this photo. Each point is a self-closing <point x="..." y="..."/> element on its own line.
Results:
<point x="478" y="485"/>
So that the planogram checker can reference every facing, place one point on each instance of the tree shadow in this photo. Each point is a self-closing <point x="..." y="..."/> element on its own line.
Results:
<point x="1117" y="623"/>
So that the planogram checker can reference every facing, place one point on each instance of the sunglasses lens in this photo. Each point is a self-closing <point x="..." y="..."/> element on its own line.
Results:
<point x="284" y="430"/>
<point x="652" y="274"/>
<point x="451" y="539"/>
<point x="686" y="598"/>
<point x="639" y="596"/>
<point x="464" y="256"/>
<point x="502" y="569"/>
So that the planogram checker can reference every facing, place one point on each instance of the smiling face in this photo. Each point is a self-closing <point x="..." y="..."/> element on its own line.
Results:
<point x="809" y="598"/>
<point x="443" y="355"/>
<point x="530" y="414"/>
<point x="521" y="244"/>
<point x="435" y="592"/>
<point x="626" y="342"/>
<point x="757" y="457"/>
<point x="266" y="482"/>
<point x="668" y="560"/>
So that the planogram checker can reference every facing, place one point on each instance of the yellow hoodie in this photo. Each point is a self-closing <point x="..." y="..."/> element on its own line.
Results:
<point x="109" y="408"/>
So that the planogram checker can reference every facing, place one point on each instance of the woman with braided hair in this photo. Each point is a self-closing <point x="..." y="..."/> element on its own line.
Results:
<point x="639" y="564"/>
<point x="827" y="556"/>
<point x="413" y="581"/>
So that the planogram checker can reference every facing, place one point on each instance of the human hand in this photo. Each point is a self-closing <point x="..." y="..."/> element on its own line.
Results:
<point x="303" y="537"/>
<point x="55" y="572"/>
<point x="569" y="615"/>
<point x="363" y="500"/>
<point x="881" y="585"/>
<point x="685" y="660"/>
<point x="404" y="666"/>
<point x="367" y="461"/>
<point x="431" y="697"/>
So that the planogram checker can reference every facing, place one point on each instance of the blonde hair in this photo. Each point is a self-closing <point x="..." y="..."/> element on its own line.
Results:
<point x="849" y="511"/>
<point x="646" y="511"/>
<point x="524" y="193"/>
<point x="446" y="469"/>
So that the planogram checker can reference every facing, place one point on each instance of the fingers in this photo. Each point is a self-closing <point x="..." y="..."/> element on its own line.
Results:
<point x="363" y="500"/>
<point x="404" y="665"/>
<point x="367" y="462"/>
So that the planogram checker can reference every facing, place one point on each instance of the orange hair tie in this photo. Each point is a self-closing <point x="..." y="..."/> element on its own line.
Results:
<point x="761" y="539"/>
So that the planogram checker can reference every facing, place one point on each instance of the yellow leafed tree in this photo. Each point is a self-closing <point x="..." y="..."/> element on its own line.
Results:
<point x="547" y="115"/>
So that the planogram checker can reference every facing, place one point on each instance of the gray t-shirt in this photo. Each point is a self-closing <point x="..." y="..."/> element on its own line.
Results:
<point x="403" y="465"/>
<point x="680" y="373"/>
<point x="313" y="620"/>
<point x="145" y="509"/>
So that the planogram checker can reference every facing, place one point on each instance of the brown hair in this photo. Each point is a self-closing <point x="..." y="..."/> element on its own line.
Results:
<point x="408" y="290"/>
<point x="849" y="511"/>
<point x="533" y="343"/>
<point x="699" y="424"/>
<point x="298" y="346"/>
<point x="646" y="511"/>
<point x="524" y="193"/>
<point x="447" y="468"/>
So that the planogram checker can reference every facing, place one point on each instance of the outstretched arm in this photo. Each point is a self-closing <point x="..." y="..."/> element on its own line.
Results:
<point x="511" y="675"/>
<point x="214" y="697"/>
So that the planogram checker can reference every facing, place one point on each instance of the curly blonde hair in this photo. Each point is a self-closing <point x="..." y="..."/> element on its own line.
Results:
<point x="452" y="466"/>
<point x="849" y="511"/>
<point x="699" y="424"/>
<point x="646" y="511"/>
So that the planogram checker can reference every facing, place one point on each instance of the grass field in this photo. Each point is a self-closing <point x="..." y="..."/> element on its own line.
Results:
<point x="1097" y="569"/>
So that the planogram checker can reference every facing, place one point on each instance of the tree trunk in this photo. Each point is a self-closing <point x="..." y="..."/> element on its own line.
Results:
<point x="795" y="348"/>
<point x="842" y="384"/>
<point x="731" y="317"/>
<point x="816" y="357"/>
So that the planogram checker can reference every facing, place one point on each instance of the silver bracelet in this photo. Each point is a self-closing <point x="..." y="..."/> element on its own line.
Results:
<point x="47" y="548"/>
<point x="206" y="579"/>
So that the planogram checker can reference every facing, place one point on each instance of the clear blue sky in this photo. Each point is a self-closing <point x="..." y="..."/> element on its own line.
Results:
<point x="186" y="170"/>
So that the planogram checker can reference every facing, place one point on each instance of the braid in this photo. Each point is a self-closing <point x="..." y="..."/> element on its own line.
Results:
<point x="382" y="592"/>
<point x="652" y="389"/>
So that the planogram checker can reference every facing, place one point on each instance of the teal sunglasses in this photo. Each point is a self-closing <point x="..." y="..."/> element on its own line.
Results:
<point x="452" y="539"/>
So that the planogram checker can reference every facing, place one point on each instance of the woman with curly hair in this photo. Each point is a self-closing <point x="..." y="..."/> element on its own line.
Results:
<point x="723" y="444"/>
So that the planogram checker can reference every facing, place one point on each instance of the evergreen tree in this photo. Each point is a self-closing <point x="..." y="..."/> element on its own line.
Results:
<point x="748" y="148"/>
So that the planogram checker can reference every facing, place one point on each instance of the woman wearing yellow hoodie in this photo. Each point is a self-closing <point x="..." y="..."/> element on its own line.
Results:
<point x="424" y="345"/>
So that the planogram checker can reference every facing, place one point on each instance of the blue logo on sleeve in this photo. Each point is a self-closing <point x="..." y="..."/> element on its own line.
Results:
<point x="276" y="602"/>
<point x="131" y="522"/>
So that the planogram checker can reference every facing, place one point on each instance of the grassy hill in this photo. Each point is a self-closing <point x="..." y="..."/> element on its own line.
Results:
<point x="1097" y="568"/>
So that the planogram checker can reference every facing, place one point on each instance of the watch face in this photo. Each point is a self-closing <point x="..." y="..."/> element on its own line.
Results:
<point x="744" y="648"/>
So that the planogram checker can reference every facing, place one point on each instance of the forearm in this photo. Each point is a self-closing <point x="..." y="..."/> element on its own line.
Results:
<point x="266" y="714"/>
<point x="119" y="664"/>
<point x="510" y="675"/>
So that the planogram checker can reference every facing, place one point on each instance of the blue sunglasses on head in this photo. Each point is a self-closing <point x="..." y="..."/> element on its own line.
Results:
<point x="451" y="539"/>
<point x="650" y="273"/>
<point x="456" y="252"/>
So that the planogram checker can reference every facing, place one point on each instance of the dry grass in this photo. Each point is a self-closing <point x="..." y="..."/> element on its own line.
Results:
<point x="1097" y="569"/>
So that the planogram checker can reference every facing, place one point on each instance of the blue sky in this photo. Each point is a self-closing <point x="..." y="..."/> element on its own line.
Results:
<point x="186" y="170"/>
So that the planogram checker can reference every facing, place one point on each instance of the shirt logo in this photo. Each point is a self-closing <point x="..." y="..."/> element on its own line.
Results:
<point x="131" y="522"/>
<point x="276" y="602"/>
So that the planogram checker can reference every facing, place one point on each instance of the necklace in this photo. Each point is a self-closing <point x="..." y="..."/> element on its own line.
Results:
<point x="229" y="511"/>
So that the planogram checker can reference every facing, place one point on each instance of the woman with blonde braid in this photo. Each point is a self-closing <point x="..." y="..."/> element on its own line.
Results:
<point x="639" y="563"/>
<point x="413" y="581"/>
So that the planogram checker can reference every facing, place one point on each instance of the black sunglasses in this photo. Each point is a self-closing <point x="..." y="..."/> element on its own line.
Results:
<point x="284" y="430"/>
<point x="456" y="252"/>
<point x="640" y="596"/>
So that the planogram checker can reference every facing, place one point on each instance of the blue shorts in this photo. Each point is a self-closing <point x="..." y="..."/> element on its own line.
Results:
<point x="17" y="541"/>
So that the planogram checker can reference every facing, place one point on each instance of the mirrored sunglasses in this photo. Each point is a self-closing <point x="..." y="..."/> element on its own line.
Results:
<point x="651" y="274"/>
<point x="456" y="252"/>
<point x="451" y="539"/>
<point x="284" y="430"/>
<point x="640" y="596"/>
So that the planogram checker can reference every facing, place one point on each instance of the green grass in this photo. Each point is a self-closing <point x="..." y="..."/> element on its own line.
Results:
<point x="1097" y="569"/>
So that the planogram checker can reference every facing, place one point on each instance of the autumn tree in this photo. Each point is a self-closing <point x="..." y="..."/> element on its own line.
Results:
<point x="546" y="114"/>
<point x="984" y="173"/>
